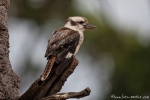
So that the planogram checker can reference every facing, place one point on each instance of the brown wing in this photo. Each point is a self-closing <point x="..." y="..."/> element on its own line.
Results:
<point x="63" y="40"/>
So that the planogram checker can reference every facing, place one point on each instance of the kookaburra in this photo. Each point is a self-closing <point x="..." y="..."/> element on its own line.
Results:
<point x="64" y="43"/>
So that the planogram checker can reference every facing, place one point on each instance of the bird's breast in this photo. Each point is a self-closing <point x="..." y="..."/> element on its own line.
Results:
<point x="80" y="42"/>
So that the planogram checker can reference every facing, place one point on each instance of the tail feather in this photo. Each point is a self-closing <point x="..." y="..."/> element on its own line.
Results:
<point x="48" y="68"/>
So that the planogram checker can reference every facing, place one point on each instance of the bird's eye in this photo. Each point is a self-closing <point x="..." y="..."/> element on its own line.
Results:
<point x="81" y="22"/>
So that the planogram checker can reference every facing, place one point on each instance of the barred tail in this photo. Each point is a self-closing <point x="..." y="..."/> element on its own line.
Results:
<point x="48" y="68"/>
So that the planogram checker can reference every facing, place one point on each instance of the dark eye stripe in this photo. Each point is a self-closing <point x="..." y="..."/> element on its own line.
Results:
<point x="81" y="22"/>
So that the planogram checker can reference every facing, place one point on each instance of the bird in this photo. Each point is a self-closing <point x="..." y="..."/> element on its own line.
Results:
<point x="64" y="43"/>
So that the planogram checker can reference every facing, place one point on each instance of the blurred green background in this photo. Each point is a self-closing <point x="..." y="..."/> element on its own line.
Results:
<point x="114" y="59"/>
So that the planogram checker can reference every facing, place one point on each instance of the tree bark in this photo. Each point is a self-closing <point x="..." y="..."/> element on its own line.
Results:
<point x="9" y="81"/>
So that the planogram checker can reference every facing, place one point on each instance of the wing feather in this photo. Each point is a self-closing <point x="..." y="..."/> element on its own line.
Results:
<point x="63" y="40"/>
<point x="65" y="62"/>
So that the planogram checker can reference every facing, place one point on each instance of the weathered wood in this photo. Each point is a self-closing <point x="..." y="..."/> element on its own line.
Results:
<point x="68" y="95"/>
<point x="9" y="81"/>
<point x="51" y="85"/>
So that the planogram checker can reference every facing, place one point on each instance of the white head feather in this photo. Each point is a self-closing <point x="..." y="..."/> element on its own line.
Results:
<point x="77" y="26"/>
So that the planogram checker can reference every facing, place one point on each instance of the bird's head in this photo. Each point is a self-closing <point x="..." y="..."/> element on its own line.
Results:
<point x="78" y="23"/>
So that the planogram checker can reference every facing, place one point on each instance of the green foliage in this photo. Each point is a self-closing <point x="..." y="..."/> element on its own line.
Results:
<point x="42" y="10"/>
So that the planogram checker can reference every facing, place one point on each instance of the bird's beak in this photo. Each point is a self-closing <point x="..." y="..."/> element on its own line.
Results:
<point x="89" y="26"/>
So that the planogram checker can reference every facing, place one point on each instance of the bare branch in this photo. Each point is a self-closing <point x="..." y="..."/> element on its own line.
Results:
<point x="63" y="96"/>
<point x="51" y="85"/>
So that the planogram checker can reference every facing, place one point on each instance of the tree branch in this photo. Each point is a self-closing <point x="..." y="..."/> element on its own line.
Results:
<point x="53" y="84"/>
<point x="9" y="81"/>
<point x="63" y="96"/>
